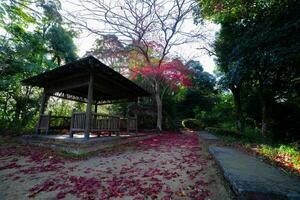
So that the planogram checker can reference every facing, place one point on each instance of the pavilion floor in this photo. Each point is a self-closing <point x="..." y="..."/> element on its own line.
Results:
<point x="79" y="145"/>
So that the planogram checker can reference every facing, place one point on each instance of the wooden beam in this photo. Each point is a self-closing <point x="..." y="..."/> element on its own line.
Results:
<point x="88" y="108"/>
<point x="67" y="84"/>
<point x="115" y="82"/>
<point x="105" y="92"/>
<point x="111" y="90"/>
<point x="68" y="98"/>
<point x="115" y="101"/>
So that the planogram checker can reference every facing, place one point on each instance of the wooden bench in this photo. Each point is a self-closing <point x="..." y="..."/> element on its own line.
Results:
<point x="49" y="121"/>
<point x="101" y="123"/>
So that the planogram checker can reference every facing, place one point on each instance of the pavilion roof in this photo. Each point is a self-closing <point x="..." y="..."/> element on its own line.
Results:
<point x="71" y="81"/>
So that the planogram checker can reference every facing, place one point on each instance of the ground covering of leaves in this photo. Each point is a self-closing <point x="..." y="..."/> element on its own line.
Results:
<point x="285" y="157"/>
<point x="166" y="166"/>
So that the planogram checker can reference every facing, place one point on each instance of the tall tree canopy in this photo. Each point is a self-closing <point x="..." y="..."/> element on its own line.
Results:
<point x="200" y="96"/>
<point x="258" y="51"/>
<point x="110" y="50"/>
<point x="31" y="33"/>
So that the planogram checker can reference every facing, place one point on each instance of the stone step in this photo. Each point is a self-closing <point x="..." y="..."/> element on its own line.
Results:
<point x="207" y="136"/>
<point x="252" y="179"/>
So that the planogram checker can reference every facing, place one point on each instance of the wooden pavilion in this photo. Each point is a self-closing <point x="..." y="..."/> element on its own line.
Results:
<point x="90" y="81"/>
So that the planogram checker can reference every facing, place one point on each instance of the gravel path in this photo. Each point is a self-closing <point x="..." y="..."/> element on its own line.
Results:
<point x="168" y="166"/>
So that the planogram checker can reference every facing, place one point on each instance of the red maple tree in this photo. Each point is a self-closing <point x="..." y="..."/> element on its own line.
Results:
<point x="174" y="73"/>
<point x="161" y="73"/>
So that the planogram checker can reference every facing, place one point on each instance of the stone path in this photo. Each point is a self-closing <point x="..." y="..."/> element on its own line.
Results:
<point x="207" y="136"/>
<point x="251" y="178"/>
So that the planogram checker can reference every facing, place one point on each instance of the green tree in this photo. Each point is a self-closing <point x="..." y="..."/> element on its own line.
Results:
<point x="258" y="47"/>
<point x="200" y="96"/>
<point x="61" y="44"/>
<point x="25" y="51"/>
<point x="110" y="50"/>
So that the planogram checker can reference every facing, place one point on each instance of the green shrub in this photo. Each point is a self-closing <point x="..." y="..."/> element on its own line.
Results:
<point x="286" y="154"/>
<point x="224" y="132"/>
<point x="193" y="124"/>
<point x="217" y="130"/>
<point x="221" y="112"/>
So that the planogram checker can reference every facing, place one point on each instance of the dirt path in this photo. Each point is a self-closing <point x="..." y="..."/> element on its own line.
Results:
<point x="169" y="166"/>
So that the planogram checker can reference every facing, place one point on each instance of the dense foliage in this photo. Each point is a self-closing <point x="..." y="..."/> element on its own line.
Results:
<point x="255" y="91"/>
<point x="32" y="39"/>
<point x="257" y="52"/>
<point x="185" y="87"/>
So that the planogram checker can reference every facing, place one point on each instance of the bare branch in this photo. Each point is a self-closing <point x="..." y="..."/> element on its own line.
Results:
<point x="137" y="21"/>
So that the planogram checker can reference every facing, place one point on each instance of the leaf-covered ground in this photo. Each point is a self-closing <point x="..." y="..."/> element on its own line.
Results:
<point x="167" y="166"/>
<point x="284" y="156"/>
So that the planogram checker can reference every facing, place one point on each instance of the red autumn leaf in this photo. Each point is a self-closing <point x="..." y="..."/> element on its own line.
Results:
<point x="61" y="195"/>
<point x="174" y="73"/>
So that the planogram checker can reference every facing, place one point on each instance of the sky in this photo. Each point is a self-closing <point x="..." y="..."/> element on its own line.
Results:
<point x="85" y="41"/>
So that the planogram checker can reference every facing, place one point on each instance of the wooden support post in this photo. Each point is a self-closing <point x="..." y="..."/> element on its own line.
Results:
<point x="71" y="125"/>
<point x="119" y="125"/>
<point x="136" y="123"/>
<point x="135" y="115"/>
<point x="88" y="108"/>
<point x="96" y="107"/>
<point x="49" y="120"/>
<point x="95" y="118"/>
<point x="127" y="124"/>
<point x="42" y="110"/>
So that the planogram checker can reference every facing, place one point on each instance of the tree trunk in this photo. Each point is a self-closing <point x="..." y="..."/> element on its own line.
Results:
<point x="266" y="108"/>
<point x="265" y="121"/>
<point x="17" y="110"/>
<point x="24" y="113"/>
<point x="4" y="116"/>
<point x="236" y="91"/>
<point x="266" y="124"/>
<point x="159" y="107"/>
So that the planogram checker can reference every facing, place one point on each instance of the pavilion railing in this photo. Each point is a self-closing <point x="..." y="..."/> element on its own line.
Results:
<point x="78" y="121"/>
<point x="49" y="121"/>
<point x="60" y="122"/>
<point x="44" y="123"/>
<point x="102" y="123"/>
<point x="131" y="124"/>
